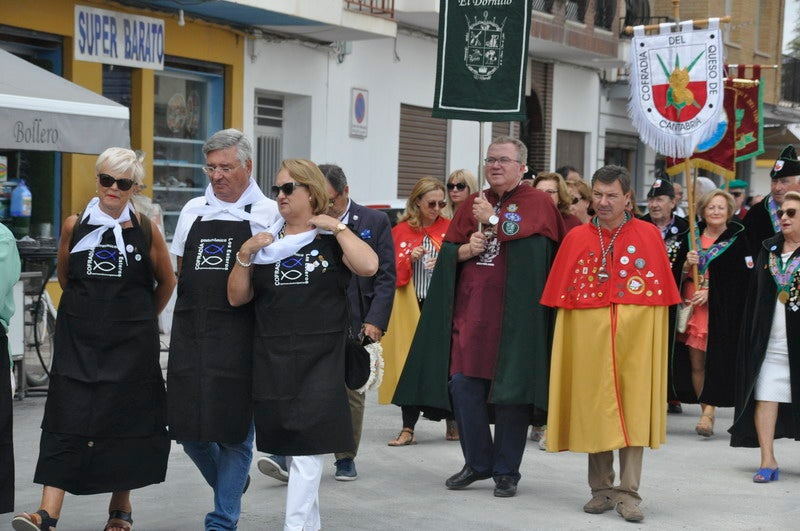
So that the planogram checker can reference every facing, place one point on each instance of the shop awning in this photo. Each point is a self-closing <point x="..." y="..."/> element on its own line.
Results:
<point x="41" y="111"/>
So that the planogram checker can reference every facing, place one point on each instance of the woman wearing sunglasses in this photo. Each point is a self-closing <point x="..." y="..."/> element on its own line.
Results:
<point x="768" y="368"/>
<point x="581" y="200"/>
<point x="703" y="363"/>
<point x="460" y="184"/>
<point x="296" y="273"/>
<point x="104" y="427"/>
<point x="417" y="238"/>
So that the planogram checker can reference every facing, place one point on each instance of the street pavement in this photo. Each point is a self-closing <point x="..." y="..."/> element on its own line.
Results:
<point x="690" y="482"/>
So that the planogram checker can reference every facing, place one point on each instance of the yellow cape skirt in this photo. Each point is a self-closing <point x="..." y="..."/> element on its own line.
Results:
<point x="608" y="379"/>
<point x="397" y="340"/>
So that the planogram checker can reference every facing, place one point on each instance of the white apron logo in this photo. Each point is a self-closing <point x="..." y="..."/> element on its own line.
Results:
<point x="213" y="253"/>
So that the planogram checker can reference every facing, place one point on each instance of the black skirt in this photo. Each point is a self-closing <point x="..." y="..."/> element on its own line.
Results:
<point x="93" y="465"/>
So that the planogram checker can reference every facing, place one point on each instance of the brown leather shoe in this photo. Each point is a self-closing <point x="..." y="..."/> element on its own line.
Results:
<point x="599" y="503"/>
<point x="629" y="510"/>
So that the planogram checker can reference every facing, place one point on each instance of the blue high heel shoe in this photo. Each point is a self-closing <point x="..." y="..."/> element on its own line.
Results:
<point x="765" y="475"/>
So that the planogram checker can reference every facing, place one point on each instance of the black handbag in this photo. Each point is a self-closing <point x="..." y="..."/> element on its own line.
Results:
<point x="356" y="363"/>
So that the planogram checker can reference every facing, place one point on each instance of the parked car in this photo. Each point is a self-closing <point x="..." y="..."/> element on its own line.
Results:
<point x="393" y="208"/>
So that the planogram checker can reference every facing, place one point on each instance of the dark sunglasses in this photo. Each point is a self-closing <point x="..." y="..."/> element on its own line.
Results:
<point x="434" y="204"/>
<point x="286" y="188"/>
<point x="460" y="186"/>
<point x="737" y="194"/>
<point x="790" y="212"/>
<point x="107" y="181"/>
<point x="575" y="200"/>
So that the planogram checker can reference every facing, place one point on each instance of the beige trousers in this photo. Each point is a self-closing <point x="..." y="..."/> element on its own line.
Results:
<point x="601" y="471"/>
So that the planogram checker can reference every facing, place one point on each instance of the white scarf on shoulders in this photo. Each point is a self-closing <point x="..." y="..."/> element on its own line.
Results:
<point x="97" y="217"/>
<point x="283" y="247"/>
<point x="214" y="206"/>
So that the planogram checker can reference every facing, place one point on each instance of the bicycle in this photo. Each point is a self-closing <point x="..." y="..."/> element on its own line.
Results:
<point x="39" y="332"/>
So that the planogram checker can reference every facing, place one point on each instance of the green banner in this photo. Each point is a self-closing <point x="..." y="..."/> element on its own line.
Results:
<point x="483" y="54"/>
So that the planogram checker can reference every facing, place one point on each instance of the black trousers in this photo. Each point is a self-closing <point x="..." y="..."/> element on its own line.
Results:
<point x="503" y="455"/>
<point x="6" y="431"/>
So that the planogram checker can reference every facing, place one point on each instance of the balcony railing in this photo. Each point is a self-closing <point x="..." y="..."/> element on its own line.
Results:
<point x="575" y="10"/>
<point x="543" y="6"/>
<point x="384" y="8"/>
<point x="790" y="80"/>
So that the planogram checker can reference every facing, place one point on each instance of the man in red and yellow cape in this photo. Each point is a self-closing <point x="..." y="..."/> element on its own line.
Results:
<point x="612" y="284"/>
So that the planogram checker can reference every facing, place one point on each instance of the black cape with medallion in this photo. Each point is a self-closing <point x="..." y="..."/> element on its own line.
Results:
<point x="758" y="316"/>
<point x="210" y="355"/>
<point x="677" y="245"/>
<point x="729" y="273"/>
<point x="299" y="395"/>
<point x="758" y="225"/>
<point x="104" y="427"/>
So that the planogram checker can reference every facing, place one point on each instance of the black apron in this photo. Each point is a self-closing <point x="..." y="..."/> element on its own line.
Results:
<point x="106" y="405"/>
<point x="209" y="375"/>
<point x="300" y="401"/>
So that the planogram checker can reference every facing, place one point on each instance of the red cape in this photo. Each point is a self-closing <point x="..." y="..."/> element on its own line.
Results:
<point x="639" y="270"/>
<point x="407" y="238"/>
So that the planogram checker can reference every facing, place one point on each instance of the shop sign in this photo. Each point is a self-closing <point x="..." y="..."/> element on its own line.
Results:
<point x="110" y="37"/>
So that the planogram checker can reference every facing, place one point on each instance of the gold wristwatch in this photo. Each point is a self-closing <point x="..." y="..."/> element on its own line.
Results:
<point x="339" y="228"/>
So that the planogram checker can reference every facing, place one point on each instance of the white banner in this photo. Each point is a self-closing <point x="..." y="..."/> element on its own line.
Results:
<point x="676" y="86"/>
<point x="113" y="38"/>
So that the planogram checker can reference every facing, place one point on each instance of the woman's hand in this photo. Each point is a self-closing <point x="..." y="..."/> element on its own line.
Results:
<point x="700" y="297"/>
<point x="417" y="253"/>
<point x="256" y="243"/>
<point x="692" y="258"/>
<point x="324" y="222"/>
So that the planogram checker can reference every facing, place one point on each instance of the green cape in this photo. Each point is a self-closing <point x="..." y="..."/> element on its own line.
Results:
<point x="523" y="362"/>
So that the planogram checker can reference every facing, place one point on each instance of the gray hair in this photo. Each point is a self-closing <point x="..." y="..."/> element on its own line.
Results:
<point x="122" y="161"/>
<point x="610" y="173"/>
<point x="228" y="138"/>
<point x="522" y="149"/>
<point x="335" y="176"/>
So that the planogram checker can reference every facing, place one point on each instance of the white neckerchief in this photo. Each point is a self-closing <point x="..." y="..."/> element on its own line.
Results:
<point x="98" y="217"/>
<point x="214" y="206"/>
<point x="283" y="247"/>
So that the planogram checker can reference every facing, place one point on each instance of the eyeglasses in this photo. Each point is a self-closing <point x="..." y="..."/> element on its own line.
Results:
<point x="502" y="160"/>
<point x="286" y="188"/>
<point x="108" y="181"/>
<point x="434" y="204"/>
<point x="225" y="170"/>
<point x="459" y="186"/>
<point x="790" y="212"/>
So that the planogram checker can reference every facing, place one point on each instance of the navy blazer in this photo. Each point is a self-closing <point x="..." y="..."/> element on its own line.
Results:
<point x="377" y="291"/>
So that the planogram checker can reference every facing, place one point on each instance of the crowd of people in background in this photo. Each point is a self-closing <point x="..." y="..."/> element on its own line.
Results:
<point x="484" y="300"/>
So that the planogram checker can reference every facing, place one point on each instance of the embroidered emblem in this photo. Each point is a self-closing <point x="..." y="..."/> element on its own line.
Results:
<point x="292" y="270"/>
<point x="513" y="216"/>
<point x="486" y="258"/>
<point x="213" y="254"/>
<point x="748" y="260"/>
<point x="483" y="53"/>
<point x="512" y="207"/>
<point x="778" y="165"/>
<point x="366" y="234"/>
<point x="104" y="261"/>
<point x="639" y="263"/>
<point x="510" y="228"/>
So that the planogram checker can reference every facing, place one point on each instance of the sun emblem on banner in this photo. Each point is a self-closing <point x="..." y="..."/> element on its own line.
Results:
<point x="483" y="53"/>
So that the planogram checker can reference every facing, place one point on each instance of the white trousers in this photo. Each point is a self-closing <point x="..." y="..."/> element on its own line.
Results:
<point x="302" y="497"/>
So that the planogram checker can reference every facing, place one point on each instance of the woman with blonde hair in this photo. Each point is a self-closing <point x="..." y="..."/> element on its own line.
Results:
<point x="296" y="275"/>
<point x="710" y="339"/>
<point x="460" y="184"/>
<point x="104" y="427"/>
<point x="553" y="183"/>
<point x="417" y="238"/>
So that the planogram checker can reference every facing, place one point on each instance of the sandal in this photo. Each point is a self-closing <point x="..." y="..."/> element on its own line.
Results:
<point x="400" y="440"/>
<point x="765" y="475"/>
<point x="120" y="519"/>
<point x="451" y="430"/>
<point x="38" y="521"/>
<point x="705" y="429"/>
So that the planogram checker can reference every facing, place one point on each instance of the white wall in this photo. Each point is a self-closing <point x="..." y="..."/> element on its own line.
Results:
<point x="321" y="128"/>
<point x="576" y="108"/>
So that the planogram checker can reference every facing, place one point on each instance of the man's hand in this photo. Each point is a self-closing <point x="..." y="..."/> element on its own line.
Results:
<point x="373" y="332"/>
<point x="477" y="243"/>
<point x="482" y="210"/>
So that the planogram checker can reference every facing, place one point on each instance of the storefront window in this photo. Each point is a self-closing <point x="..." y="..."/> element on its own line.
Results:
<point x="188" y="108"/>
